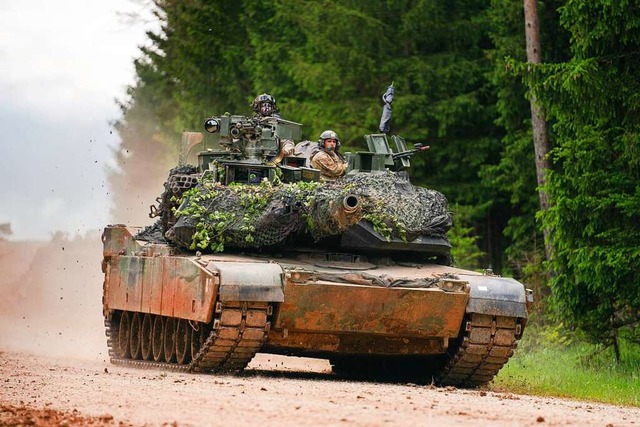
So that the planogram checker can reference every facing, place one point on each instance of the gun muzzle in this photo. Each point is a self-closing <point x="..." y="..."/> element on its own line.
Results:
<point x="235" y="132"/>
<point x="351" y="203"/>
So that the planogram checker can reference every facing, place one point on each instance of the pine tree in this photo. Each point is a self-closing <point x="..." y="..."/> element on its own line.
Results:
<point x="595" y="198"/>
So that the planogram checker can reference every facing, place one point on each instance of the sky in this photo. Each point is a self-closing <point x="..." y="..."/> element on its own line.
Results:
<point x="62" y="67"/>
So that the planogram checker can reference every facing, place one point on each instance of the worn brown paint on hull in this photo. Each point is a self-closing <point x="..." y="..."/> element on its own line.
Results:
<point x="323" y="307"/>
<point x="170" y="286"/>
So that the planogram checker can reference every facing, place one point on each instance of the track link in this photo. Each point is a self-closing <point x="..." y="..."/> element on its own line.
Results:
<point x="238" y="331"/>
<point x="484" y="346"/>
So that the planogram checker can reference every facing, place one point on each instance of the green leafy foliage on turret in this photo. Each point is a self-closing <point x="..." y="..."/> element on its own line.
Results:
<point x="211" y="216"/>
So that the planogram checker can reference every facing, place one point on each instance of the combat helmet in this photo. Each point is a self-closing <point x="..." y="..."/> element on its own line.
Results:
<point x="264" y="98"/>
<point x="328" y="134"/>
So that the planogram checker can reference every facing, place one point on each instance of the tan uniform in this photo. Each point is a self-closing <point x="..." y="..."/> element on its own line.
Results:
<point x="331" y="165"/>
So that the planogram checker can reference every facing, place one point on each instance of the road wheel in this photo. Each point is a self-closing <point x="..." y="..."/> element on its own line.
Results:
<point x="123" y="336"/>
<point x="157" y="340"/>
<point x="134" y="338"/>
<point x="146" y="334"/>
<point x="170" y="340"/>
<point x="183" y="342"/>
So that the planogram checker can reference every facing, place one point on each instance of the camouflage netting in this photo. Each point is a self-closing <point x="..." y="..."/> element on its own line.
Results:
<point x="214" y="216"/>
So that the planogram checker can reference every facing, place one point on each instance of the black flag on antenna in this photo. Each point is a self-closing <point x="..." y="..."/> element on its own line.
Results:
<point x="385" y="120"/>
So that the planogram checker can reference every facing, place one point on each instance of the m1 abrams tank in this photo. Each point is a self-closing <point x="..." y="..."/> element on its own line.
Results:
<point x="252" y="254"/>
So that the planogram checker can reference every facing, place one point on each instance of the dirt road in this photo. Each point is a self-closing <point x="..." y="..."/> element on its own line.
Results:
<point x="54" y="371"/>
<point x="275" y="390"/>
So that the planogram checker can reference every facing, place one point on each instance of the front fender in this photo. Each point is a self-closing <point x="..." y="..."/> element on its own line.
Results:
<point x="496" y="296"/>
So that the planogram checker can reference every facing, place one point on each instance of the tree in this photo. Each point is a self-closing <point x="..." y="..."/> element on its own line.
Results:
<point x="540" y="137"/>
<point x="513" y="176"/>
<point x="593" y="186"/>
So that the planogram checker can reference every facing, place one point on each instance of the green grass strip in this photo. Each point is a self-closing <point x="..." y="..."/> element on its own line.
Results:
<point x="573" y="371"/>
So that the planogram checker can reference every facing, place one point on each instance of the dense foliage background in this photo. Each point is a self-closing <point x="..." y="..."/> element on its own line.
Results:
<point x="462" y="86"/>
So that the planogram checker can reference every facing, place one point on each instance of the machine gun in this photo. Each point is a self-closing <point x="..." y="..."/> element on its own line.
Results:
<point x="417" y="148"/>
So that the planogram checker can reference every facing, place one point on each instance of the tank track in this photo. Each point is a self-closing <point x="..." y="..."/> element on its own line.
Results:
<point x="238" y="331"/>
<point x="483" y="347"/>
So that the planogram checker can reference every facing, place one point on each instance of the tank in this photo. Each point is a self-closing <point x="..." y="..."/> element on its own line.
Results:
<point x="252" y="253"/>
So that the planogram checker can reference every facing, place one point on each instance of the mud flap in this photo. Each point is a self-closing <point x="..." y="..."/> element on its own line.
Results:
<point x="249" y="281"/>
<point x="496" y="296"/>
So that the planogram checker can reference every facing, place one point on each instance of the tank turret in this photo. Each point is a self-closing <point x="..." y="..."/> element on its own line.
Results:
<point x="245" y="196"/>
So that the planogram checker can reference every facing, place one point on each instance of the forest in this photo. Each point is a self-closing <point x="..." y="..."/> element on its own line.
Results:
<point x="464" y="86"/>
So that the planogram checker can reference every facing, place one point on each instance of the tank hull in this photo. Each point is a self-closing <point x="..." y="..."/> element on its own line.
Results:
<point x="214" y="312"/>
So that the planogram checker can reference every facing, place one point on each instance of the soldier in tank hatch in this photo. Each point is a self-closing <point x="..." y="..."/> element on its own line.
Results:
<point x="327" y="157"/>
<point x="264" y="106"/>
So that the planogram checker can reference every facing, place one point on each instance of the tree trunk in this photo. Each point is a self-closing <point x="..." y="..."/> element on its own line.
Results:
<point x="616" y="346"/>
<point x="540" y="136"/>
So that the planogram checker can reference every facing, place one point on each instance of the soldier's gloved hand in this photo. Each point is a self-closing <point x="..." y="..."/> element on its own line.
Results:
<point x="288" y="148"/>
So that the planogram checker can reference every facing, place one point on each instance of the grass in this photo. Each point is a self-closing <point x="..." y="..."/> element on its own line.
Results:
<point x="571" y="369"/>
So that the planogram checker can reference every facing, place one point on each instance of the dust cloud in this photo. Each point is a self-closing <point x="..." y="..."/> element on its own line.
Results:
<point x="51" y="291"/>
<point x="50" y="297"/>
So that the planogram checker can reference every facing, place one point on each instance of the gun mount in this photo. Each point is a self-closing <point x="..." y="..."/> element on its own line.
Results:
<point x="251" y="140"/>
<point x="380" y="156"/>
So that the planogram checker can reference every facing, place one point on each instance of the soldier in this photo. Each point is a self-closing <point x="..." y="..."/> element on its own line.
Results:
<point x="327" y="158"/>
<point x="265" y="106"/>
